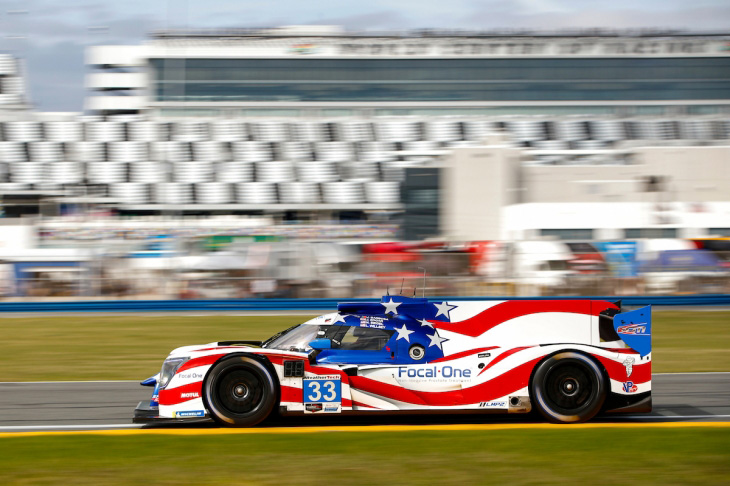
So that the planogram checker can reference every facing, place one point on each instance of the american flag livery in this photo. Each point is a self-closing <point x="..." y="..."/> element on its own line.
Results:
<point x="563" y="357"/>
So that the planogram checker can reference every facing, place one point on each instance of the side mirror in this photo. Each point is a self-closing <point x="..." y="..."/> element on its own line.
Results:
<point x="320" y="344"/>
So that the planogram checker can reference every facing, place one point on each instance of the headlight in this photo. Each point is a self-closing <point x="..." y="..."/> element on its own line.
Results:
<point x="169" y="367"/>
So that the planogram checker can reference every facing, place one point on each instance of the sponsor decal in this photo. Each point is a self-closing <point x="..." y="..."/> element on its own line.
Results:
<point x="629" y="364"/>
<point x="190" y="376"/>
<point x="629" y="387"/>
<point x="492" y="404"/>
<point x="331" y="408"/>
<point x="637" y="329"/>
<point x="434" y="372"/>
<point x="190" y="413"/>
<point x="304" y="49"/>
<point x="190" y="395"/>
<point x="488" y="47"/>
<point x="312" y="376"/>
<point x="313" y="407"/>
<point x="484" y="355"/>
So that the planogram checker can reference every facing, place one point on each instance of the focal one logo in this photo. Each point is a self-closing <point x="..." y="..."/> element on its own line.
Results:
<point x="434" y="372"/>
<point x="190" y="376"/>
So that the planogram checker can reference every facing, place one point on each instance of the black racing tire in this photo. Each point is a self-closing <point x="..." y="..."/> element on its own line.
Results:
<point x="568" y="387"/>
<point x="239" y="391"/>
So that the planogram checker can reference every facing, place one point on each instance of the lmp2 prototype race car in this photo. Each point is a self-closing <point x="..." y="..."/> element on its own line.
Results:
<point x="569" y="359"/>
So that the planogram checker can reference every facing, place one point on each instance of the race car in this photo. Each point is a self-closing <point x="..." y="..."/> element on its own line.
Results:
<point x="569" y="359"/>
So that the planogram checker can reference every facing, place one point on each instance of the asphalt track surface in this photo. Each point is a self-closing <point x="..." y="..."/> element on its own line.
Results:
<point x="37" y="406"/>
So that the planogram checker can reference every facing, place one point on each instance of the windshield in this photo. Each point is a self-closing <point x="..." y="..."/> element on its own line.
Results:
<point x="298" y="337"/>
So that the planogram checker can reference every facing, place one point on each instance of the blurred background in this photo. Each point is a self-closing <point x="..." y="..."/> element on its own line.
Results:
<point x="326" y="160"/>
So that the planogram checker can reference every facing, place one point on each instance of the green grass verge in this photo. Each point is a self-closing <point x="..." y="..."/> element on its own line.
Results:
<point x="609" y="457"/>
<point x="133" y="347"/>
<point x="114" y="347"/>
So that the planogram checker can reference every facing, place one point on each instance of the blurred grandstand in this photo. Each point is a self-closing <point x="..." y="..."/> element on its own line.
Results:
<point x="309" y="161"/>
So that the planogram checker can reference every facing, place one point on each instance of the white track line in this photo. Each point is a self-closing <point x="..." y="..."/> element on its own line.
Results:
<point x="695" y="373"/>
<point x="13" y="428"/>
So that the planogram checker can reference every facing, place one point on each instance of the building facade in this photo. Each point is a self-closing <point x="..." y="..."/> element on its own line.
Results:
<point x="324" y="70"/>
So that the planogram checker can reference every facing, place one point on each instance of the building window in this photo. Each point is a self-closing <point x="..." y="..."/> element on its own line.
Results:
<point x="545" y="79"/>
<point x="568" y="234"/>
<point x="636" y="233"/>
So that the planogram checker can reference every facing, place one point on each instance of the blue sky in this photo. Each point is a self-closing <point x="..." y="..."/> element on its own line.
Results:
<point x="51" y="35"/>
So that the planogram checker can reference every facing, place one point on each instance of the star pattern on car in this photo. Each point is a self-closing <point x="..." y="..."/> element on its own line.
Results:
<point x="424" y="322"/>
<point x="404" y="333"/>
<point x="436" y="340"/>
<point x="443" y="309"/>
<point x="391" y="307"/>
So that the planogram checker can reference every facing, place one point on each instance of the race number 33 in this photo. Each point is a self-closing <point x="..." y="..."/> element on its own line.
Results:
<point x="317" y="391"/>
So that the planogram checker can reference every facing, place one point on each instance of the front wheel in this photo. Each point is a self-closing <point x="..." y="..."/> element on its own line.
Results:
<point x="568" y="387"/>
<point x="239" y="392"/>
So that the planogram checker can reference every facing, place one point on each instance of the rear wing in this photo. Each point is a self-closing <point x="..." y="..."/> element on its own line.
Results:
<point x="634" y="328"/>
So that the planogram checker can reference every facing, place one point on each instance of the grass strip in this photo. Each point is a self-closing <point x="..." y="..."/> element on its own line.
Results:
<point x="558" y="455"/>
<point x="133" y="347"/>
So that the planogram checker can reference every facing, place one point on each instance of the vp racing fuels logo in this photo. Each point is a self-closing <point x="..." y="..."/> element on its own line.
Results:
<point x="629" y="387"/>
<point x="637" y="329"/>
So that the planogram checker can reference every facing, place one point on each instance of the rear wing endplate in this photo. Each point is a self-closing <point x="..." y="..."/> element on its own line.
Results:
<point x="634" y="328"/>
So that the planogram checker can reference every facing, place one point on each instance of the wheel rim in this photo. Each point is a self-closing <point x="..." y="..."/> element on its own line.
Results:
<point x="569" y="387"/>
<point x="240" y="392"/>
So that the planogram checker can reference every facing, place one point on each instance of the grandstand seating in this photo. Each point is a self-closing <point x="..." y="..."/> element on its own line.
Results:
<point x="141" y="160"/>
<point x="148" y="172"/>
<point x="173" y="193"/>
<point x="130" y="192"/>
<point x="299" y="193"/>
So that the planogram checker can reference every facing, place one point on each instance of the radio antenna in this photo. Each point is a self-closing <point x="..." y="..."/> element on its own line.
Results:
<point x="387" y="291"/>
<point x="424" y="282"/>
<point x="401" y="285"/>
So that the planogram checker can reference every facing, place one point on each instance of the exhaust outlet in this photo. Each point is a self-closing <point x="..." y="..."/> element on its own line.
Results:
<point x="519" y="404"/>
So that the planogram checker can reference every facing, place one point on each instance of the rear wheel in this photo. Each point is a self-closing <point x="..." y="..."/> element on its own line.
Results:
<point x="239" y="392"/>
<point x="568" y="387"/>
